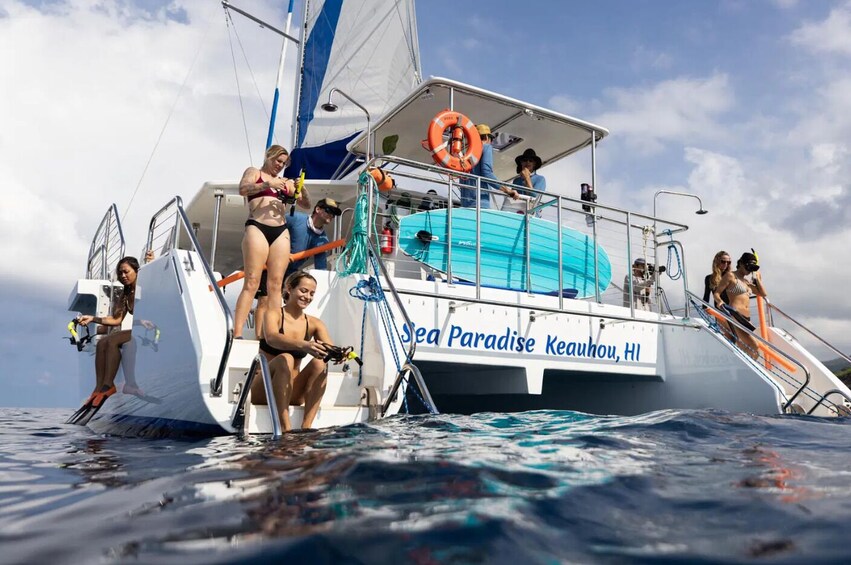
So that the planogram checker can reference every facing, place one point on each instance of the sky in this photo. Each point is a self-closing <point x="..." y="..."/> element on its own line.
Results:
<point x="746" y="103"/>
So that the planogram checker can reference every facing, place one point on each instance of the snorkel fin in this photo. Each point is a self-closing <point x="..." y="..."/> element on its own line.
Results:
<point x="91" y="406"/>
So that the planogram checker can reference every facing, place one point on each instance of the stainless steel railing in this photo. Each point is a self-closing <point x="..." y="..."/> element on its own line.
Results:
<point x="565" y="207"/>
<point x="238" y="421"/>
<point x="172" y="223"/>
<point x="773" y="308"/>
<point x="107" y="246"/>
<point x="774" y="370"/>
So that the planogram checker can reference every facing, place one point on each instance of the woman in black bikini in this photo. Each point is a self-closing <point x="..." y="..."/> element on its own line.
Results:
<point x="288" y="336"/>
<point x="266" y="241"/>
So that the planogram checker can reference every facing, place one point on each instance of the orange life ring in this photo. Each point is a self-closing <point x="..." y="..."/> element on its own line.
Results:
<point x="451" y="154"/>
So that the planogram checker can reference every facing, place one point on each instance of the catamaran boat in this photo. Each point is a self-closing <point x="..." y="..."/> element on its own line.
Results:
<point x="516" y="306"/>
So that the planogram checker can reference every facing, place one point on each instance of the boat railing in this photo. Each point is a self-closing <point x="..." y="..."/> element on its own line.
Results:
<point x="167" y="227"/>
<point x="416" y="375"/>
<point x="713" y="316"/>
<point x="841" y="409"/>
<point x="107" y="246"/>
<point x="625" y="235"/>
<point x="772" y="308"/>
<point x="407" y="366"/>
<point x="238" y="421"/>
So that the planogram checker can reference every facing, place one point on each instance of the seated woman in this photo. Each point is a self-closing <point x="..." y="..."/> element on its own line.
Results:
<point x="108" y="352"/>
<point x="738" y="290"/>
<point x="289" y="335"/>
<point x="527" y="165"/>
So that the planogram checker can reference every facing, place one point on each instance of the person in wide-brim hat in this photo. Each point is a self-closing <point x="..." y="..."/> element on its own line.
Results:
<point x="527" y="177"/>
<point x="528" y="155"/>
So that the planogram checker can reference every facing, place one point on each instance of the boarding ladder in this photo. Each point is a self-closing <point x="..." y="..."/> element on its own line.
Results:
<point x="784" y="370"/>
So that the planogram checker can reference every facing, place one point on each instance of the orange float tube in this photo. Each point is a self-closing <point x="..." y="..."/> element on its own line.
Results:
<point x="383" y="180"/>
<point x="767" y="353"/>
<point x="451" y="154"/>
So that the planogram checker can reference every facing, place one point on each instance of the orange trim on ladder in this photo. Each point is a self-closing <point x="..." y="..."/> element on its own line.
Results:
<point x="763" y="327"/>
<point x="766" y="352"/>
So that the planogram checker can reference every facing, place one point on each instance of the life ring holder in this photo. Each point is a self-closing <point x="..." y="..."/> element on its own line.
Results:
<point x="450" y="153"/>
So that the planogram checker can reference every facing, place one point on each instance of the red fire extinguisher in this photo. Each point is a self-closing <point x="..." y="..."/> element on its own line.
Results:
<point x="385" y="240"/>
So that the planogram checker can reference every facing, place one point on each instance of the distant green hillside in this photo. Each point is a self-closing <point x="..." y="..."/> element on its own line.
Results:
<point x="845" y="376"/>
<point x="837" y="365"/>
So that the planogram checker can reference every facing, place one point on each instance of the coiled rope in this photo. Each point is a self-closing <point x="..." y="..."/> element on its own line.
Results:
<point x="353" y="259"/>
<point x="356" y="258"/>
<point x="673" y="253"/>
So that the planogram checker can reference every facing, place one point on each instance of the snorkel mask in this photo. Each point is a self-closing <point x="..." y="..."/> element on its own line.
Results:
<point x="752" y="266"/>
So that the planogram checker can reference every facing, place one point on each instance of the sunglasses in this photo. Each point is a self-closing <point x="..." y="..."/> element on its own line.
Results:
<point x="724" y="262"/>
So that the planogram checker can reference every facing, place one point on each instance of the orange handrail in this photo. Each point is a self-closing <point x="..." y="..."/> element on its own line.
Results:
<point x="233" y="277"/>
<point x="765" y="350"/>
<point x="763" y="326"/>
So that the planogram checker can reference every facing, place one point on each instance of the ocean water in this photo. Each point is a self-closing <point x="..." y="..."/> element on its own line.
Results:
<point x="534" y="487"/>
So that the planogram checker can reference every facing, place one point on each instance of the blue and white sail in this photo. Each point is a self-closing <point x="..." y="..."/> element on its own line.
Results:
<point x="365" y="48"/>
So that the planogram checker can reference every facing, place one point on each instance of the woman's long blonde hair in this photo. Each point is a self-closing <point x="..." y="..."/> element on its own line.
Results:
<point x="716" y="270"/>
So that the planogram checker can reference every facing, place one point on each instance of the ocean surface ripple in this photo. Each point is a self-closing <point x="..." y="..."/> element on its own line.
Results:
<point x="534" y="487"/>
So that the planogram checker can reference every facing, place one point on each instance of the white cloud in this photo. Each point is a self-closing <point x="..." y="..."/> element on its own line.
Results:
<point x="42" y="238"/>
<point x="831" y="35"/>
<point x="785" y="4"/>
<point x="564" y="104"/>
<point x="93" y="89"/>
<point x="644" y="57"/>
<point x="681" y="109"/>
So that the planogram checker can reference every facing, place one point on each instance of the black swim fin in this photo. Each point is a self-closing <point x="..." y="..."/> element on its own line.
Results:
<point x="89" y="408"/>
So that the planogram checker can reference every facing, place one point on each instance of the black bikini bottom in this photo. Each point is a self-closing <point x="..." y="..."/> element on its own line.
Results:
<point x="271" y="233"/>
<point x="746" y="322"/>
<point x="264" y="346"/>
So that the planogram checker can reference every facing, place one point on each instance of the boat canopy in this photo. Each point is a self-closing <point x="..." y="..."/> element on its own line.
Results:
<point x="517" y="125"/>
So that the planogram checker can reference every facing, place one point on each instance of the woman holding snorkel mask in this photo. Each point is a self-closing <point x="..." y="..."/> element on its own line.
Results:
<point x="739" y="289"/>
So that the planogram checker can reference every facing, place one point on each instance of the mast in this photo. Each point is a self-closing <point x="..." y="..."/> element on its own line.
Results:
<point x="284" y="43"/>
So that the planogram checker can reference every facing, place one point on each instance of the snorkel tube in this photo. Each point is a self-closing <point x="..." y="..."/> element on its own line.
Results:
<point x="75" y="338"/>
<point x="297" y="194"/>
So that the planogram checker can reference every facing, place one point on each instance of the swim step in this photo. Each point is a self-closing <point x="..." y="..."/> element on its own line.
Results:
<point x="260" y="422"/>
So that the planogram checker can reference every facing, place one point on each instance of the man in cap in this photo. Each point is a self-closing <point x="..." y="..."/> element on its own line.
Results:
<point x="307" y="232"/>
<point x="642" y="281"/>
<point x="484" y="168"/>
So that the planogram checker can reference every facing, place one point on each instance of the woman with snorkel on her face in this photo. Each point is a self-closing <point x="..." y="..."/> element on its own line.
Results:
<point x="738" y="289"/>
<point x="289" y="335"/>
<point x="266" y="242"/>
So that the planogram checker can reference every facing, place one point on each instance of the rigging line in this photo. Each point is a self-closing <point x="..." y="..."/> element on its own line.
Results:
<point x="168" y="118"/>
<point x="229" y="24"/>
<point x="409" y="40"/>
<point x="250" y="70"/>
